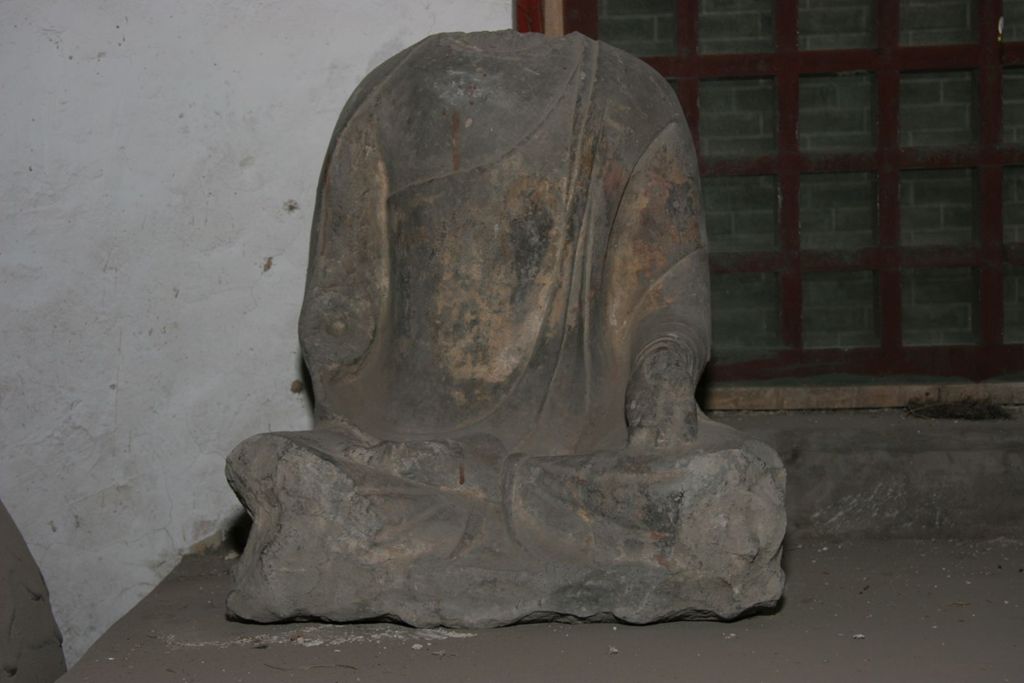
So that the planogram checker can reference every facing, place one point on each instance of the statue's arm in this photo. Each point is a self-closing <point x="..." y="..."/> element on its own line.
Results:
<point x="661" y="411"/>
<point x="347" y="275"/>
<point x="670" y="335"/>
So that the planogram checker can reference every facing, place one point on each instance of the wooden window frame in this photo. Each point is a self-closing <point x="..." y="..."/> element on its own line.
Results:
<point x="986" y="58"/>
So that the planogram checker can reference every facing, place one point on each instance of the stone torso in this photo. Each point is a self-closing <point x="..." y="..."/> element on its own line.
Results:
<point x="476" y="224"/>
<point x="477" y="262"/>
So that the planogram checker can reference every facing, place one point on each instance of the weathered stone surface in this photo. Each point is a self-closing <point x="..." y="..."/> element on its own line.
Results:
<point x="431" y="533"/>
<point x="506" y="314"/>
<point x="30" y="642"/>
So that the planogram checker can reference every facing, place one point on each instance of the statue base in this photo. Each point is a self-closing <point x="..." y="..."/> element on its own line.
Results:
<point x="459" y="534"/>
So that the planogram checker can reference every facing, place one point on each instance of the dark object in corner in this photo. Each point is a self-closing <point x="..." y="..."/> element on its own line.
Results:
<point x="30" y="642"/>
<point x="963" y="409"/>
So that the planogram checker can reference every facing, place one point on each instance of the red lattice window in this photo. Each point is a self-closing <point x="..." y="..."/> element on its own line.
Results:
<point x="863" y="170"/>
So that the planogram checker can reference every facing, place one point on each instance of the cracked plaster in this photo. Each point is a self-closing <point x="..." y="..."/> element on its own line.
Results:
<point x="156" y="188"/>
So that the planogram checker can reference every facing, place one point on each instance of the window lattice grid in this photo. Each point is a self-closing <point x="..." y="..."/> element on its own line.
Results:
<point x="903" y="53"/>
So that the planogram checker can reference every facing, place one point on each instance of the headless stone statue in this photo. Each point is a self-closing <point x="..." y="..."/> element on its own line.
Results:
<point x="506" y="314"/>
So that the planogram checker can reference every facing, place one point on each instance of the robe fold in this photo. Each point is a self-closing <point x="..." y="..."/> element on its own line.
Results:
<point x="498" y="233"/>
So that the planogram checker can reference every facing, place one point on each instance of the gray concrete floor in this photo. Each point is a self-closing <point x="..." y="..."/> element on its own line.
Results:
<point x="883" y="610"/>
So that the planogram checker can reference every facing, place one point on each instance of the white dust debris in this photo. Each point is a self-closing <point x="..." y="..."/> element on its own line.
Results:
<point x="319" y="635"/>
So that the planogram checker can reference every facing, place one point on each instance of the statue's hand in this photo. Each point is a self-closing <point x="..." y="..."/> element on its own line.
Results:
<point x="336" y="329"/>
<point x="661" y="412"/>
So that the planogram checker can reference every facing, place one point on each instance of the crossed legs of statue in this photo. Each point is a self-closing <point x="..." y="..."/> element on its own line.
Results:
<point x="532" y="535"/>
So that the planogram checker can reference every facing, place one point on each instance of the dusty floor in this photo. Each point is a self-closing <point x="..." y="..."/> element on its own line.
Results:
<point x="857" y="611"/>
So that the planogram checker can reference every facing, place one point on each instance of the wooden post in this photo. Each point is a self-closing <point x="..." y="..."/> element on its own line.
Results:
<point x="554" y="18"/>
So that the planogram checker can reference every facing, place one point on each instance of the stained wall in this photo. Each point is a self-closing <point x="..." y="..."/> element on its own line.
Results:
<point x="156" y="187"/>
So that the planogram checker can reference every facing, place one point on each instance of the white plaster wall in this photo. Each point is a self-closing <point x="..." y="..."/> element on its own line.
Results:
<point x="147" y="152"/>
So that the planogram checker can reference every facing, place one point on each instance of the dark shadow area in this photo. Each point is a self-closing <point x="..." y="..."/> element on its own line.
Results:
<point x="963" y="409"/>
<point x="304" y="385"/>
<point x="700" y="392"/>
<point x="238" y="532"/>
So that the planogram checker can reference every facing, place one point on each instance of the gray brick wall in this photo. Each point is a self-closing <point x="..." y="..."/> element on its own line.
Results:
<point x="938" y="207"/>
<point x="839" y="310"/>
<point x="738" y="117"/>
<point x="937" y="22"/>
<point x="1013" y="305"/>
<point x="741" y="212"/>
<point x="1013" y="204"/>
<point x="937" y="108"/>
<point x="940" y="306"/>
<point x="736" y="26"/>
<point x="837" y="113"/>
<point x="1013" y="105"/>
<point x="836" y="24"/>
<point x="838" y="210"/>
<point x="642" y="27"/>
<point x="744" y="314"/>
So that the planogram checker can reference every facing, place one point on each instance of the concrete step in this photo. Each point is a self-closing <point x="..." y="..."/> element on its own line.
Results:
<point x="885" y="474"/>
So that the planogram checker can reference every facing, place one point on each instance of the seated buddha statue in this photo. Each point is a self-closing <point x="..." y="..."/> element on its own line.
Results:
<point x="505" y="316"/>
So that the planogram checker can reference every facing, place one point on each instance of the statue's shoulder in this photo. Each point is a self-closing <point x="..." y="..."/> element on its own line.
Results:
<point x="633" y="88"/>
